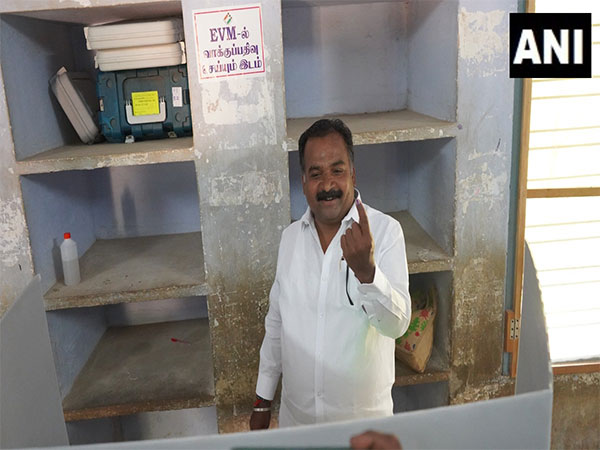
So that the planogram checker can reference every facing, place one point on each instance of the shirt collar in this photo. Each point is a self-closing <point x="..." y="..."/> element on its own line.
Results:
<point x="307" y="218"/>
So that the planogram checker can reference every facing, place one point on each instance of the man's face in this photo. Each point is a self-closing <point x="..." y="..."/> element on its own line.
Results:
<point x="328" y="179"/>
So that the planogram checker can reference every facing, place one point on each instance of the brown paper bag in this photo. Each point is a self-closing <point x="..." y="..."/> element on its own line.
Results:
<point x="414" y="347"/>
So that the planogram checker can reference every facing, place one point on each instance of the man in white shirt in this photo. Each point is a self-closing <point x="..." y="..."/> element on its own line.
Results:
<point x="339" y="300"/>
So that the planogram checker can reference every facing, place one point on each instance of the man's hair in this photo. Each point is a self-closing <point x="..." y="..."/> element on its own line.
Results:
<point x="322" y="128"/>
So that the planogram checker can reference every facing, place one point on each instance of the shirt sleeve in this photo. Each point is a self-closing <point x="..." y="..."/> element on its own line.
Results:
<point x="386" y="300"/>
<point x="270" y="352"/>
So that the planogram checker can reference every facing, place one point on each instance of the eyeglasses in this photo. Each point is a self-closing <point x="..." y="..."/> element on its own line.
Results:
<point x="347" y="293"/>
<point x="347" y="277"/>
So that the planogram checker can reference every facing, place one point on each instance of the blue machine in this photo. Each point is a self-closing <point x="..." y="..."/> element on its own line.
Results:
<point x="149" y="103"/>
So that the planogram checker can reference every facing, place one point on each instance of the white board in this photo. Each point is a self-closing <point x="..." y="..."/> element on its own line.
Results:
<point x="30" y="407"/>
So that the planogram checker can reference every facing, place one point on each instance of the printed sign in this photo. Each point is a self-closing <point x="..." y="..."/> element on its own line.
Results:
<point x="544" y="45"/>
<point x="145" y="103"/>
<point x="229" y="42"/>
<point x="177" y="94"/>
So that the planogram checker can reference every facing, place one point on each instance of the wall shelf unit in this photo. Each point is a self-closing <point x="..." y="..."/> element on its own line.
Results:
<point x="87" y="157"/>
<point x="135" y="270"/>
<point x="139" y="368"/>
<point x="422" y="252"/>
<point x="159" y="221"/>
<point x="437" y="370"/>
<point x="380" y="127"/>
<point x="134" y="211"/>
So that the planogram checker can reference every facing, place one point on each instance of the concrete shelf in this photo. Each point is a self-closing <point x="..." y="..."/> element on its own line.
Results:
<point x="437" y="370"/>
<point x="422" y="252"/>
<point x="141" y="368"/>
<point x="378" y="128"/>
<point x="87" y="157"/>
<point x="135" y="270"/>
<point x="94" y="12"/>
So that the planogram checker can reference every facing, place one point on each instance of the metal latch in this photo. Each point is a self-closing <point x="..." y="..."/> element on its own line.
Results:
<point x="515" y="328"/>
<point x="153" y="118"/>
<point x="512" y="331"/>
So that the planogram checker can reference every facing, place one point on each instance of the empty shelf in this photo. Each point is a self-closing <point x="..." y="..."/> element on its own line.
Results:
<point x="377" y="128"/>
<point x="87" y="157"/>
<point x="134" y="270"/>
<point x="436" y="370"/>
<point x="422" y="252"/>
<point x="140" y="368"/>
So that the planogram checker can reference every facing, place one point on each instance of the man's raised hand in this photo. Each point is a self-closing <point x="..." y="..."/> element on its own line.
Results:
<point x="357" y="247"/>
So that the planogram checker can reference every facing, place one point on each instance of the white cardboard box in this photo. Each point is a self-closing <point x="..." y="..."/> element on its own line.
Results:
<point x="134" y="34"/>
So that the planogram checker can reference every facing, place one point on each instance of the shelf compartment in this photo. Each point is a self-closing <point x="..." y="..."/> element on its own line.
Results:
<point x="139" y="368"/>
<point x="392" y="68"/>
<point x="378" y="128"/>
<point x="422" y="252"/>
<point x="134" y="270"/>
<point x="87" y="157"/>
<point x="437" y="370"/>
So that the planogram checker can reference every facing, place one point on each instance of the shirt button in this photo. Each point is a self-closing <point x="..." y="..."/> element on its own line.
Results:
<point x="319" y="394"/>
<point x="320" y="316"/>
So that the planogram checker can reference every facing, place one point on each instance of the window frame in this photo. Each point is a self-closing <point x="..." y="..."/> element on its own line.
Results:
<point x="512" y="345"/>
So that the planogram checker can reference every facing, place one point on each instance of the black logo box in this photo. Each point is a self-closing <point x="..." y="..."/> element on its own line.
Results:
<point x="538" y="22"/>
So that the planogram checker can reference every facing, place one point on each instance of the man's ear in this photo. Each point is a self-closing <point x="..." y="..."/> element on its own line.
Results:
<point x="353" y="176"/>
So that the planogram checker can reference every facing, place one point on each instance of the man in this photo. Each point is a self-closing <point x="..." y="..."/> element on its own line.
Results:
<point x="339" y="300"/>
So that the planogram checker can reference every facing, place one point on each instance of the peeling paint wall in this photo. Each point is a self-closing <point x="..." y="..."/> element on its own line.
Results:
<point x="482" y="39"/>
<point x="482" y="199"/>
<point x="16" y="268"/>
<point x="239" y="129"/>
<point x="576" y="411"/>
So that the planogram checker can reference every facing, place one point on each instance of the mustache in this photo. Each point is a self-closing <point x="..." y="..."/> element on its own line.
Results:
<point x="335" y="193"/>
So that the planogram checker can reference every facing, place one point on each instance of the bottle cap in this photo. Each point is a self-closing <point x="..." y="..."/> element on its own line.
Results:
<point x="67" y="235"/>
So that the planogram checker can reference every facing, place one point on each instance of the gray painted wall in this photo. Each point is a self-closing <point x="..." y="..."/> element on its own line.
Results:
<point x="36" y="118"/>
<point x="74" y="334"/>
<point x="432" y="58"/>
<point x="145" y="200"/>
<point x="335" y="63"/>
<point x="55" y="204"/>
<point x="431" y="178"/>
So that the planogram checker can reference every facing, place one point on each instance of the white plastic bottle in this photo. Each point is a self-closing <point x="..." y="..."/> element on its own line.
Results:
<point x="70" y="260"/>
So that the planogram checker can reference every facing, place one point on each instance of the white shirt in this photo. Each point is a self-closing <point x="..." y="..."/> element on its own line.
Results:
<point x="337" y="359"/>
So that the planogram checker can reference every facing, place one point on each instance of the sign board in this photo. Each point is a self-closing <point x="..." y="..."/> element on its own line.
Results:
<point x="229" y="42"/>
<point x="550" y="45"/>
